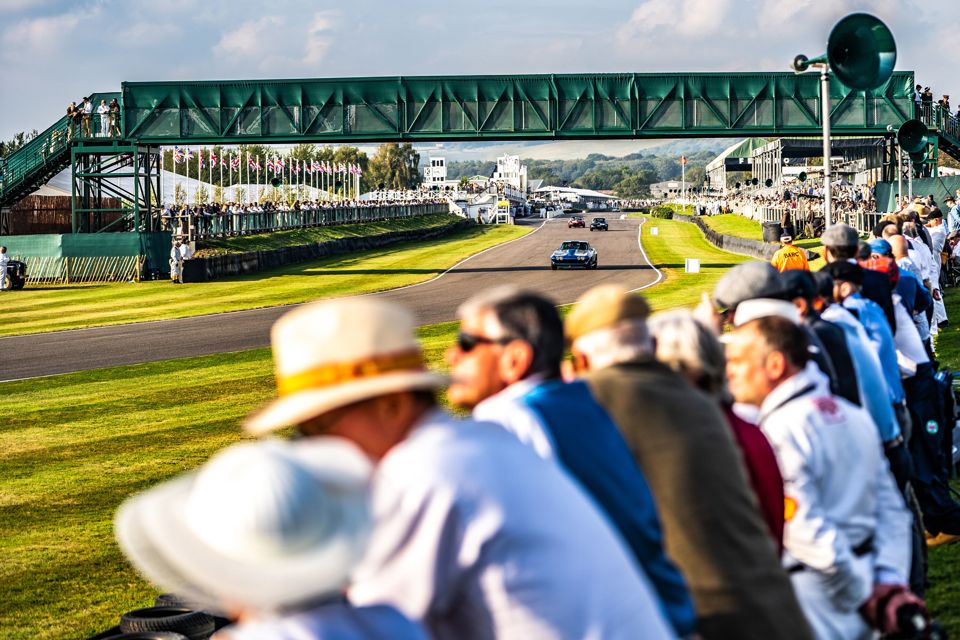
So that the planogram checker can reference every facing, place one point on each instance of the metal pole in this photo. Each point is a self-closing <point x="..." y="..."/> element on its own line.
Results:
<point x="899" y="176"/>
<point x="825" y="116"/>
<point x="909" y="180"/>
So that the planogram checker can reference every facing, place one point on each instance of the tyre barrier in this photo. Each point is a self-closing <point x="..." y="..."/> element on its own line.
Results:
<point x="235" y="264"/>
<point x="195" y="625"/>
<point x="746" y="246"/>
<point x="149" y="635"/>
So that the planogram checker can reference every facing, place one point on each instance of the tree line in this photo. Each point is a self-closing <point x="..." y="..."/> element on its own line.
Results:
<point x="628" y="177"/>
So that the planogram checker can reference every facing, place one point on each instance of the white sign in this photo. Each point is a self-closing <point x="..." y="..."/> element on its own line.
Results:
<point x="654" y="231"/>
<point x="692" y="265"/>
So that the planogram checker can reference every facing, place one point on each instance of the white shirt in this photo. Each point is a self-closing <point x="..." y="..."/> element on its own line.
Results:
<point x="841" y="489"/>
<point x="186" y="253"/>
<point x="103" y="109"/>
<point x="910" y="350"/>
<point x="477" y="537"/>
<point x="503" y="409"/>
<point x="919" y="252"/>
<point x="938" y="237"/>
<point x="4" y="260"/>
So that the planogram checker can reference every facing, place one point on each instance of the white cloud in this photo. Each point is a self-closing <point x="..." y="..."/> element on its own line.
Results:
<point x="248" y="40"/>
<point x="320" y="36"/>
<point x="44" y="33"/>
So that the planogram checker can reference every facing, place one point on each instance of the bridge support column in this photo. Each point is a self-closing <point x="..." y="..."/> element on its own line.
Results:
<point x="115" y="188"/>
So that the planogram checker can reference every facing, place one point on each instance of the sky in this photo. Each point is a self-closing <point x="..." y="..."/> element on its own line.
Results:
<point x="55" y="51"/>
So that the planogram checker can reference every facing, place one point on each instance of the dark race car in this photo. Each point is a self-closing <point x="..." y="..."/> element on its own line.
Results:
<point x="16" y="274"/>
<point x="598" y="224"/>
<point x="576" y="221"/>
<point x="574" y="253"/>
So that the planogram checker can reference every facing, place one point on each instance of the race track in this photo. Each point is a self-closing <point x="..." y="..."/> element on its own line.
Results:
<point x="523" y="262"/>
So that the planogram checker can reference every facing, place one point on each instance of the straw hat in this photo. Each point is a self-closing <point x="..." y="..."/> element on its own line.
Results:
<point x="604" y="306"/>
<point x="331" y="354"/>
<point x="266" y="526"/>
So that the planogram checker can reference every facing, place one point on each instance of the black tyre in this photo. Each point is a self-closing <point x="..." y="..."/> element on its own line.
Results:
<point x="195" y="625"/>
<point x="19" y="284"/>
<point x="149" y="635"/>
<point x="173" y="600"/>
<point x="554" y="267"/>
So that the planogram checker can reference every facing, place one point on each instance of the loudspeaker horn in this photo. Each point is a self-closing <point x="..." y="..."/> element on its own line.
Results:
<point x="918" y="157"/>
<point x="913" y="136"/>
<point x="861" y="51"/>
<point x="755" y="182"/>
<point x="737" y="185"/>
<point x="768" y="182"/>
<point x="802" y="176"/>
<point x="276" y="183"/>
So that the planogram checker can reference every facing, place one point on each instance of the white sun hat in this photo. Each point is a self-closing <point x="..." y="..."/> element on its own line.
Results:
<point x="764" y="307"/>
<point x="331" y="354"/>
<point x="264" y="526"/>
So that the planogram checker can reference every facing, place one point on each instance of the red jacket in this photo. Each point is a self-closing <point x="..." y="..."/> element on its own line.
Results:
<point x="763" y="471"/>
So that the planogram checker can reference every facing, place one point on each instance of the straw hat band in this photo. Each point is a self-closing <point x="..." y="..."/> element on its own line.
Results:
<point x="333" y="373"/>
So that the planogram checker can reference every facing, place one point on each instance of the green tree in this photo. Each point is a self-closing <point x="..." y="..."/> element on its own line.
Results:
<point x="395" y="166"/>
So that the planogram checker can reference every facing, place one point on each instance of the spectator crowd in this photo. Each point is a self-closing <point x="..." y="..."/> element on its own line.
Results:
<point x="772" y="464"/>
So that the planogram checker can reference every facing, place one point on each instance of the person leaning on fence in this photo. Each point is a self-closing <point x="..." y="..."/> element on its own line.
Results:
<point x="104" y="112"/>
<point x="474" y="535"/>
<point x="176" y="263"/>
<point x="4" y="261"/>
<point x="72" y="119"/>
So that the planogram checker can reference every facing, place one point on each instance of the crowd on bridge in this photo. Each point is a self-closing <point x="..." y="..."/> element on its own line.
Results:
<point x="772" y="464"/>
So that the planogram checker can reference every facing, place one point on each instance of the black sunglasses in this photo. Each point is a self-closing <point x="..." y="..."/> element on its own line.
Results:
<point x="467" y="342"/>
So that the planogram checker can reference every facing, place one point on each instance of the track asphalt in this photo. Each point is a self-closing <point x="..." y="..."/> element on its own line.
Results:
<point x="524" y="262"/>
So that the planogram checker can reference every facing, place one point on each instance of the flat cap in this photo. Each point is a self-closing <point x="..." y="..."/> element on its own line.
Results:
<point x="934" y="214"/>
<point x="840" y="235"/>
<point x="602" y="307"/>
<point x="844" y="271"/>
<point x="747" y="281"/>
<point x="758" y="308"/>
<point x="799" y="283"/>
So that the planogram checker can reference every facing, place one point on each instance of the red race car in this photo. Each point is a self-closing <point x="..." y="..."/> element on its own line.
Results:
<point x="576" y="221"/>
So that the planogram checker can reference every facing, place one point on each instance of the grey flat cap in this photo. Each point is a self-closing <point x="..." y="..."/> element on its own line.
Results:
<point x="840" y="235"/>
<point x="748" y="281"/>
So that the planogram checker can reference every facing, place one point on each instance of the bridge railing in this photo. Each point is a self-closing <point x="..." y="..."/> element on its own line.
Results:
<point x="937" y="117"/>
<point x="202" y="226"/>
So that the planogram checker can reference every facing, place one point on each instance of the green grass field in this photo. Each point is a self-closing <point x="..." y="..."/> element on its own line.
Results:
<point x="74" y="307"/>
<point x="73" y="446"/>
<point x="293" y="237"/>
<point x="734" y="224"/>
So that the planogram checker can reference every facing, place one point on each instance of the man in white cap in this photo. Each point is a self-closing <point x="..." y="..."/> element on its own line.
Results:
<point x="474" y="536"/>
<point x="266" y="533"/>
<point x="847" y="533"/>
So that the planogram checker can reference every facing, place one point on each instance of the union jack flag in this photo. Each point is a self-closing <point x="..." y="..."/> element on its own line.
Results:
<point x="307" y="167"/>
<point x="280" y="162"/>
<point x="296" y="168"/>
<point x="254" y="164"/>
<point x="200" y="158"/>
<point x="188" y="154"/>
<point x="317" y="166"/>
<point x="235" y="162"/>
<point x="271" y="167"/>
<point x="177" y="155"/>
<point x="213" y="158"/>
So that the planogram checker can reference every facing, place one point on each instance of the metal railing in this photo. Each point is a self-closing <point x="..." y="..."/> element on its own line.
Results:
<point x="202" y="226"/>
<point x="49" y="271"/>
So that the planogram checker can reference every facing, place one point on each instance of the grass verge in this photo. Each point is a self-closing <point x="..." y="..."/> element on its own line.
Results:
<point x="49" y="309"/>
<point x="295" y="237"/>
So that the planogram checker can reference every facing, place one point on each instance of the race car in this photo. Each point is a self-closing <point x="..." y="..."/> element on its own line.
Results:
<point x="574" y="253"/>
<point x="576" y="221"/>
<point x="598" y="224"/>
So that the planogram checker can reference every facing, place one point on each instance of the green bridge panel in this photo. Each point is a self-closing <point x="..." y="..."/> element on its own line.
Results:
<point x="530" y="107"/>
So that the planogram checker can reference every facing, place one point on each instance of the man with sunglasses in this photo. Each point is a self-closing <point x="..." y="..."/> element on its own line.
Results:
<point x="474" y="536"/>
<point x="506" y="368"/>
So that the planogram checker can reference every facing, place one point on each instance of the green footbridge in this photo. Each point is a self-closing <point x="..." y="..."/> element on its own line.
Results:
<point x="436" y="108"/>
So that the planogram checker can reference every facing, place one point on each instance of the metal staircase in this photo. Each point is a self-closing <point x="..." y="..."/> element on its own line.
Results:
<point x="35" y="163"/>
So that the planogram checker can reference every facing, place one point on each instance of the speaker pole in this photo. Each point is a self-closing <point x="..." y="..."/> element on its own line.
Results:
<point x="825" y="105"/>
<point x="899" y="177"/>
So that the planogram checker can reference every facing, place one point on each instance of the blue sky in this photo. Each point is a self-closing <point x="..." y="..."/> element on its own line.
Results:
<point x="54" y="51"/>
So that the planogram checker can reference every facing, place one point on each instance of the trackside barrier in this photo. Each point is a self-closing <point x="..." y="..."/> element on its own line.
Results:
<point x="746" y="246"/>
<point x="207" y="226"/>
<point x="48" y="271"/>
